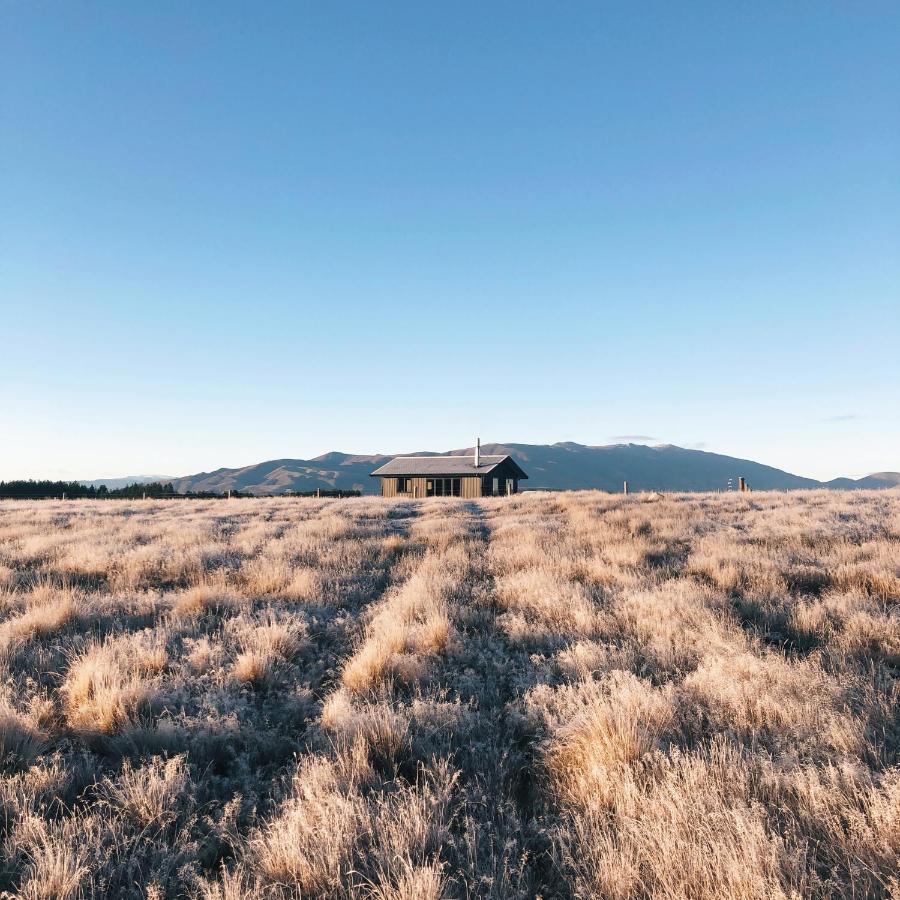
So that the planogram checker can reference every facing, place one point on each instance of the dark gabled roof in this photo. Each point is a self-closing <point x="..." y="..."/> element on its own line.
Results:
<point x="447" y="465"/>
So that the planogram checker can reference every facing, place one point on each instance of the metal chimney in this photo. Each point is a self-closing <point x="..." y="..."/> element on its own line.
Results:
<point x="477" y="452"/>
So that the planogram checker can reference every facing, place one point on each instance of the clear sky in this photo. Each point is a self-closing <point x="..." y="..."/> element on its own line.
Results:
<point x="232" y="232"/>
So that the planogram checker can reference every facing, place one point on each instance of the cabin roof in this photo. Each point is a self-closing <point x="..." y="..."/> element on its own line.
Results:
<point x="447" y="465"/>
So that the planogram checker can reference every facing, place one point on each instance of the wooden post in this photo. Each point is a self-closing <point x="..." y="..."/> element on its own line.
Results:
<point x="229" y="493"/>
<point x="64" y="495"/>
<point x="625" y="488"/>
<point x="318" y="492"/>
<point x="742" y="485"/>
<point x="145" y="495"/>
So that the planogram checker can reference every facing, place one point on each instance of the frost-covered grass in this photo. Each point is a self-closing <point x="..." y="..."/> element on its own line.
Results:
<point x="570" y="695"/>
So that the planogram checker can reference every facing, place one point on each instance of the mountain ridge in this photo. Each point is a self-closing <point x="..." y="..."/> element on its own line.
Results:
<point x="565" y="465"/>
<point x="126" y="480"/>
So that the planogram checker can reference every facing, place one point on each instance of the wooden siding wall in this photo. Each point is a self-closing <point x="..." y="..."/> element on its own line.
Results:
<point x="417" y="487"/>
<point x="470" y="486"/>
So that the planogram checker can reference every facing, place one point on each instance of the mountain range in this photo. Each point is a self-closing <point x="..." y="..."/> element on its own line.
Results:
<point x="115" y="483"/>
<point x="561" y="466"/>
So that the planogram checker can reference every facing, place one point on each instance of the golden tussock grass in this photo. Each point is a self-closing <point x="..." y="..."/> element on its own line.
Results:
<point x="21" y="737"/>
<point x="572" y="695"/>
<point x="152" y="794"/>
<point x="111" y="683"/>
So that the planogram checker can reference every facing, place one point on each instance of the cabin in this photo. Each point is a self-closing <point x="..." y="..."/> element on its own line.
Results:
<point x="479" y="475"/>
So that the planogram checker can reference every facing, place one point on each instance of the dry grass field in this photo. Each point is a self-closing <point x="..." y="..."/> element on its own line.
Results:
<point x="574" y="695"/>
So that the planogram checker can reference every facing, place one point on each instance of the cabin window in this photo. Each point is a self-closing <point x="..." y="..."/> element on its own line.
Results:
<point x="402" y="484"/>
<point x="442" y="487"/>
<point x="496" y="486"/>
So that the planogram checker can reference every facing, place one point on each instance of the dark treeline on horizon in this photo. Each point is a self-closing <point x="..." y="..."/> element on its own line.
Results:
<point x="31" y="489"/>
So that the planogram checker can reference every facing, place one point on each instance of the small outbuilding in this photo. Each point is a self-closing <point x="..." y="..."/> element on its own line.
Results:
<point x="479" y="475"/>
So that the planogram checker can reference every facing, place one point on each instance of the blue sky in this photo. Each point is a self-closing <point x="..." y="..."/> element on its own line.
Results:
<point x="231" y="232"/>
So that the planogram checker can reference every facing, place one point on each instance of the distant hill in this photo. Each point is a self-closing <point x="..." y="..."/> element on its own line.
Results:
<point x="331" y="471"/>
<point x="562" y="466"/>
<point x="875" y="480"/>
<point x="114" y="483"/>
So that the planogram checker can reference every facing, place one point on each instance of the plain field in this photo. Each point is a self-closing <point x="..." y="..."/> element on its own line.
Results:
<point x="555" y="695"/>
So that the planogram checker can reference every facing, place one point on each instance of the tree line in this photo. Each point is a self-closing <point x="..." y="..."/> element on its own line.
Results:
<point x="32" y="489"/>
<point x="74" y="490"/>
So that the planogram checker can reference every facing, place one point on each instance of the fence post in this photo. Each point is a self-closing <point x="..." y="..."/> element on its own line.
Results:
<point x="625" y="488"/>
<point x="742" y="485"/>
